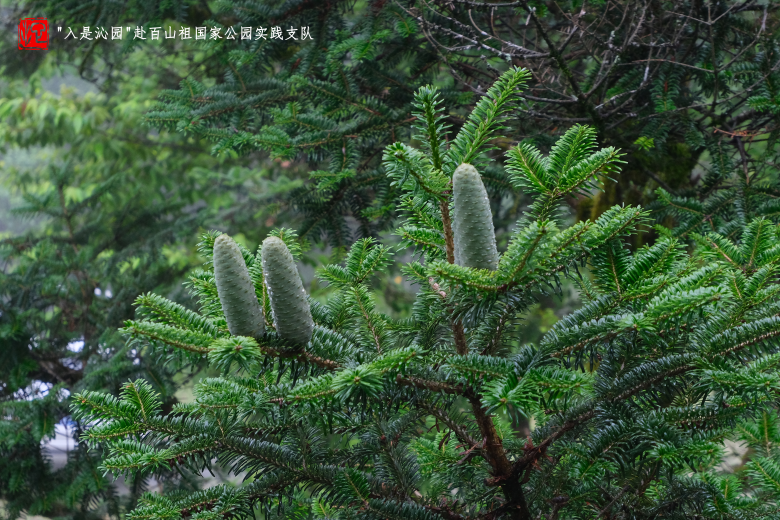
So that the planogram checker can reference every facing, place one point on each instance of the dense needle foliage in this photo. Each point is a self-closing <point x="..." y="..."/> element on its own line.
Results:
<point x="675" y="82"/>
<point x="106" y="210"/>
<point x="630" y="397"/>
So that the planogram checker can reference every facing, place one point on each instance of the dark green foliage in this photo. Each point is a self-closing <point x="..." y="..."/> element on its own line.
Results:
<point x="336" y="100"/>
<point x="732" y="194"/>
<point x="670" y="82"/>
<point x="104" y="208"/>
<point x="563" y="170"/>
<point x="235" y="290"/>
<point x="630" y="397"/>
<point x="675" y="82"/>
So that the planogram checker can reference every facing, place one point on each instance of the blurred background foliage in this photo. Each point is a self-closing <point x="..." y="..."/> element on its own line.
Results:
<point x="115" y="155"/>
<point x="99" y="209"/>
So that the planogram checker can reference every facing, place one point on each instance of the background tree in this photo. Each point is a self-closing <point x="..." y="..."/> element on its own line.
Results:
<point x="111" y="207"/>
<point x="679" y="84"/>
<point x="631" y="395"/>
<point x="682" y="83"/>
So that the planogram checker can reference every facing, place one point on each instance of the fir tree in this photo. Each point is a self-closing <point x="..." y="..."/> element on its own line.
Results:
<point x="630" y="397"/>
<point x="334" y="96"/>
<point x="664" y="80"/>
<point x="668" y="82"/>
<point x="107" y="209"/>
<point x="732" y="193"/>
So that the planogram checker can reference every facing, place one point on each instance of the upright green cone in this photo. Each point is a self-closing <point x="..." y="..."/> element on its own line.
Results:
<point x="472" y="221"/>
<point x="292" y="316"/>
<point x="236" y="291"/>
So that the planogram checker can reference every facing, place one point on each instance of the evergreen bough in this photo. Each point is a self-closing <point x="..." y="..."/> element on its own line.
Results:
<point x="630" y="397"/>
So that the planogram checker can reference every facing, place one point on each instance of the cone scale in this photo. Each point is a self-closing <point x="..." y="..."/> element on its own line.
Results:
<point x="472" y="221"/>
<point x="236" y="291"/>
<point x="292" y="316"/>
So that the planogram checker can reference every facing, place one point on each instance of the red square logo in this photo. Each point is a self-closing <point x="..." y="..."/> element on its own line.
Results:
<point x="33" y="33"/>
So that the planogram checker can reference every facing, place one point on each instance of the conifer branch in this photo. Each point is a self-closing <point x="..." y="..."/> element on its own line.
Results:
<point x="433" y="386"/>
<point x="675" y="349"/>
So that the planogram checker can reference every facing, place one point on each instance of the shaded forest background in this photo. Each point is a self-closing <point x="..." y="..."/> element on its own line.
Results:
<point x="116" y="155"/>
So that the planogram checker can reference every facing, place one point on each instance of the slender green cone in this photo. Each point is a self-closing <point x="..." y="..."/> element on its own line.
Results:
<point x="236" y="291"/>
<point x="472" y="221"/>
<point x="292" y="316"/>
